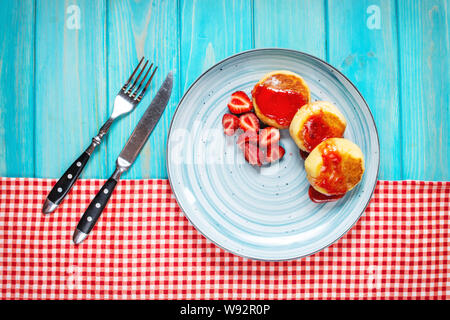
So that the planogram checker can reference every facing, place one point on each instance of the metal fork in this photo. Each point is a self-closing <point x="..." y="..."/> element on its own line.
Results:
<point x="126" y="100"/>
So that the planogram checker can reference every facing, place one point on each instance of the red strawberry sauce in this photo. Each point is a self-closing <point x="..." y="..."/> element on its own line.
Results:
<point x="303" y="154"/>
<point x="318" y="197"/>
<point x="276" y="104"/>
<point x="316" y="130"/>
<point x="331" y="177"/>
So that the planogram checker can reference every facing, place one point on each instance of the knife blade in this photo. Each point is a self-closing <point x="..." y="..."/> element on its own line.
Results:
<point x="125" y="159"/>
<point x="145" y="126"/>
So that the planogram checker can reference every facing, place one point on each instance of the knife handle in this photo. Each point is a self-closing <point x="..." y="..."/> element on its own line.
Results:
<point x="65" y="183"/>
<point x="95" y="208"/>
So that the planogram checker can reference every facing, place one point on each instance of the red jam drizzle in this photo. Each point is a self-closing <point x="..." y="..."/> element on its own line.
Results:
<point x="318" y="197"/>
<point x="279" y="105"/>
<point x="315" y="130"/>
<point x="315" y="195"/>
<point x="304" y="154"/>
<point x="331" y="177"/>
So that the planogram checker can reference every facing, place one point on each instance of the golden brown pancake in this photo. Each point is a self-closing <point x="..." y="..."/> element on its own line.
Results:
<point x="335" y="166"/>
<point x="278" y="96"/>
<point x="316" y="122"/>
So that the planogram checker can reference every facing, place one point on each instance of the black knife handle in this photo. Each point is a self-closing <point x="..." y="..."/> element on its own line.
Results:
<point x="66" y="182"/>
<point x="93" y="212"/>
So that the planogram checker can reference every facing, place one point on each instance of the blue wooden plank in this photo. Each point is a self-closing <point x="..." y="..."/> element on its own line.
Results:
<point x="17" y="88"/>
<point x="425" y="91"/>
<point x="362" y="43"/>
<point x="212" y="30"/>
<point x="73" y="78"/>
<point x="293" y="24"/>
<point x="135" y="29"/>
<point x="70" y="84"/>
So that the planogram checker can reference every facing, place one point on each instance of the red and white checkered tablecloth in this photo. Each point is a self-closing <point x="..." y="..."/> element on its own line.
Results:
<point x="144" y="248"/>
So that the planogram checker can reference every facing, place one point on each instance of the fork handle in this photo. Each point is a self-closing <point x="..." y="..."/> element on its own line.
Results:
<point x="65" y="183"/>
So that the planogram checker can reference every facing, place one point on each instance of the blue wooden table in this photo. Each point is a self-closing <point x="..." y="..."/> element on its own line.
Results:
<point x="62" y="62"/>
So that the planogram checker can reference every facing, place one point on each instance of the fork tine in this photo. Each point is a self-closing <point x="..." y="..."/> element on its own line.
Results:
<point x="136" y="80"/>
<point x="146" y="85"/>
<point x="142" y="82"/>
<point x="132" y="75"/>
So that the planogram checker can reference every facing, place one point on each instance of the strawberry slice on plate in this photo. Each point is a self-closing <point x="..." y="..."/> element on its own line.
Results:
<point x="253" y="154"/>
<point x="249" y="121"/>
<point x="274" y="153"/>
<point x="230" y="124"/>
<point x="269" y="136"/>
<point x="247" y="137"/>
<point x="240" y="103"/>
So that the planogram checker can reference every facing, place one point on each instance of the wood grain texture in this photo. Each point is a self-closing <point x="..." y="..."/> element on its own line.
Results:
<point x="425" y="90"/>
<point x="136" y="29"/>
<point x="292" y="24"/>
<point x="211" y="30"/>
<point x="362" y="43"/>
<point x="70" y="85"/>
<point x="17" y="88"/>
<point x="58" y="82"/>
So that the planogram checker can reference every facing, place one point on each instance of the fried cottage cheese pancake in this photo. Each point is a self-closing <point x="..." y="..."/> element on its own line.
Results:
<point x="278" y="96"/>
<point x="316" y="122"/>
<point x="335" y="166"/>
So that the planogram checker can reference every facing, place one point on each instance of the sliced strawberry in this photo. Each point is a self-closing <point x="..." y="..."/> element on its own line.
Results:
<point x="230" y="123"/>
<point x="249" y="136"/>
<point x="253" y="154"/>
<point x="240" y="103"/>
<point x="274" y="153"/>
<point x="269" y="136"/>
<point x="249" y="121"/>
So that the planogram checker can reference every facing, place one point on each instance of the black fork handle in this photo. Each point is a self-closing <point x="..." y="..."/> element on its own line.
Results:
<point x="65" y="183"/>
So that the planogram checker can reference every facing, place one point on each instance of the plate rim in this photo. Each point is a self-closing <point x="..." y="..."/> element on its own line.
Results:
<point x="290" y="51"/>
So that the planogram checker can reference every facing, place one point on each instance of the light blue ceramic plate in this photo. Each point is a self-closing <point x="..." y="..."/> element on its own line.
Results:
<point x="263" y="213"/>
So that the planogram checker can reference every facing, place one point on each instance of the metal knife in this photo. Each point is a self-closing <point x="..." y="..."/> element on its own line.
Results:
<point x="125" y="160"/>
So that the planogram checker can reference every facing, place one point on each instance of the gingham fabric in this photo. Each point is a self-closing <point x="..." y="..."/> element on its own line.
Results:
<point x="144" y="248"/>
